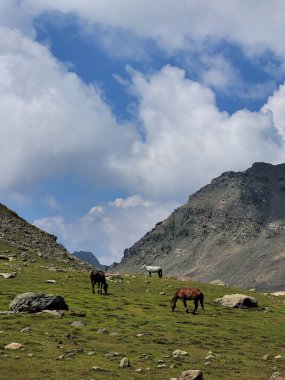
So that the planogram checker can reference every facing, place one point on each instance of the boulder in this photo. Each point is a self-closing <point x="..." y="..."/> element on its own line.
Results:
<point x="8" y="275"/>
<point x="237" y="301"/>
<point x="277" y="376"/>
<point x="34" y="302"/>
<point x="13" y="346"/>
<point x="191" y="374"/>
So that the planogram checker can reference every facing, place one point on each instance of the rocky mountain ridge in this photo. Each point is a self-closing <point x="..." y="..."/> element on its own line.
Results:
<point x="90" y="258"/>
<point x="30" y="240"/>
<point x="233" y="229"/>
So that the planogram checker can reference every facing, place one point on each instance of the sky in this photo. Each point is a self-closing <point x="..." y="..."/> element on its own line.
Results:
<point x="113" y="112"/>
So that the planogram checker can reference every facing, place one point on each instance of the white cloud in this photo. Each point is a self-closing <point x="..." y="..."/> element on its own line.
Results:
<point x="110" y="229"/>
<point x="276" y="104"/>
<point x="50" y="120"/>
<point x="188" y="140"/>
<point x="175" y="25"/>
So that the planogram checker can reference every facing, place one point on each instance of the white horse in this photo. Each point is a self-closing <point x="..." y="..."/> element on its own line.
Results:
<point x="152" y="269"/>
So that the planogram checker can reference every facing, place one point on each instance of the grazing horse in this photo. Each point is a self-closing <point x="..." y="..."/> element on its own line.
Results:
<point x="98" y="276"/>
<point x="151" y="270"/>
<point x="188" y="294"/>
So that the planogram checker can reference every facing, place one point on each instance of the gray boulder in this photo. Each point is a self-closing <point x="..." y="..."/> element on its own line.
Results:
<point x="34" y="302"/>
<point x="236" y="301"/>
<point x="191" y="374"/>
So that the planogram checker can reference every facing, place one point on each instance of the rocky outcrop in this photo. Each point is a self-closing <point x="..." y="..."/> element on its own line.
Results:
<point x="34" y="302"/>
<point x="29" y="240"/>
<point x="239" y="301"/>
<point x="232" y="229"/>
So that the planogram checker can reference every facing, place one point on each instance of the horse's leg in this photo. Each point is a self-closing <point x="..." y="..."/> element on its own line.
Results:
<point x="93" y="287"/>
<point x="196" y="302"/>
<point x="101" y="285"/>
<point x="149" y="274"/>
<point x="98" y="287"/>
<point x="185" y="304"/>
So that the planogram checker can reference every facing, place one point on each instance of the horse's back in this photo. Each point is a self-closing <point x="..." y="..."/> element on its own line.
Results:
<point x="189" y="292"/>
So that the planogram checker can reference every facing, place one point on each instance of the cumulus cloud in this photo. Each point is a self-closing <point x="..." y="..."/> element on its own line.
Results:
<point x="175" y="25"/>
<point x="50" y="118"/>
<point x="102" y="231"/>
<point x="187" y="139"/>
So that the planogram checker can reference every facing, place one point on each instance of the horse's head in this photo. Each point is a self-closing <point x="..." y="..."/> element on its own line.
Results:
<point x="143" y="266"/>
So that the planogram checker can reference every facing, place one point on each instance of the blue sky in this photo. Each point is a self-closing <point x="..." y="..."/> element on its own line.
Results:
<point x="114" y="112"/>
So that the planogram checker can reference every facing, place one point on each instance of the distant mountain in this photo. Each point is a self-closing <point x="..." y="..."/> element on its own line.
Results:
<point x="232" y="229"/>
<point x="90" y="258"/>
<point x="32" y="242"/>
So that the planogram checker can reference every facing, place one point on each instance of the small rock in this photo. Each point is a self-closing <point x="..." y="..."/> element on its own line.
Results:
<point x="30" y="355"/>
<point x="141" y="334"/>
<point x="278" y="357"/>
<point x="60" y="357"/>
<point x="162" y="293"/>
<point x="78" y="324"/>
<point x="162" y="365"/>
<point x="147" y="291"/>
<point x="265" y="357"/>
<point x="277" y="376"/>
<point x="26" y="330"/>
<point x="8" y="275"/>
<point x="102" y="331"/>
<point x="50" y="281"/>
<point x="179" y="353"/>
<point x="13" y="346"/>
<point x="57" y="313"/>
<point x="125" y="363"/>
<point x="191" y="374"/>
<point x="139" y="370"/>
<point x="91" y="353"/>
<point x="209" y="357"/>
<point x="112" y="354"/>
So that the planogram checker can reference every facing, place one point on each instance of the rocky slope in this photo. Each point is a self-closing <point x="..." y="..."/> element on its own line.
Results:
<point x="232" y="229"/>
<point x="31" y="242"/>
<point x="90" y="258"/>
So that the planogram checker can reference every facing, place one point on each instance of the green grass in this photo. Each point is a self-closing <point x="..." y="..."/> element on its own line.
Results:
<point x="238" y="338"/>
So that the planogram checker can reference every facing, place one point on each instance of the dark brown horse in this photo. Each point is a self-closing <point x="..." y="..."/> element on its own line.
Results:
<point x="98" y="276"/>
<point x="188" y="294"/>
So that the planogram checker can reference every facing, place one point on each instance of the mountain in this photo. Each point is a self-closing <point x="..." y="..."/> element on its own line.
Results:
<point x="29" y="242"/>
<point x="90" y="258"/>
<point x="233" y="229"/>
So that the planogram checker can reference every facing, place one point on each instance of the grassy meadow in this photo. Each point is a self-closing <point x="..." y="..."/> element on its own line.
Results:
<point x="54" y="349"/>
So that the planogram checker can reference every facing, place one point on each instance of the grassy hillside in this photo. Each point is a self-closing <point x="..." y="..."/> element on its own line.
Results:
<point x="54" y="349"/>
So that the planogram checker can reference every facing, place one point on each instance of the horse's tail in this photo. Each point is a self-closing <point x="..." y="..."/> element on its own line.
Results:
<point x="202" y="300"/>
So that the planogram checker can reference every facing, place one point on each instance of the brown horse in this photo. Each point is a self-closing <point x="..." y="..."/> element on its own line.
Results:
<point x="98" y="276"/>
<point x="188" y="294"/>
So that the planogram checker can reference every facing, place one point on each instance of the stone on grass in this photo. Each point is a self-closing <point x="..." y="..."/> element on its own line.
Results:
<point x="34" y="302"/>
<point x="8" y="275"/>
<point x="78" y="324"/>
<point x="191" y="374"/>
<point x="236" y="301"/>
<point x="179" y="353"/>
<point x="50" y="281"/>
<point x="57" y="313"/>
<point x="26" y="330"/>
<point x="277" y="376"/>
<point x="125" y="363"/>
<point x="102" y="331"/>
<point x="13" y="346"/>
